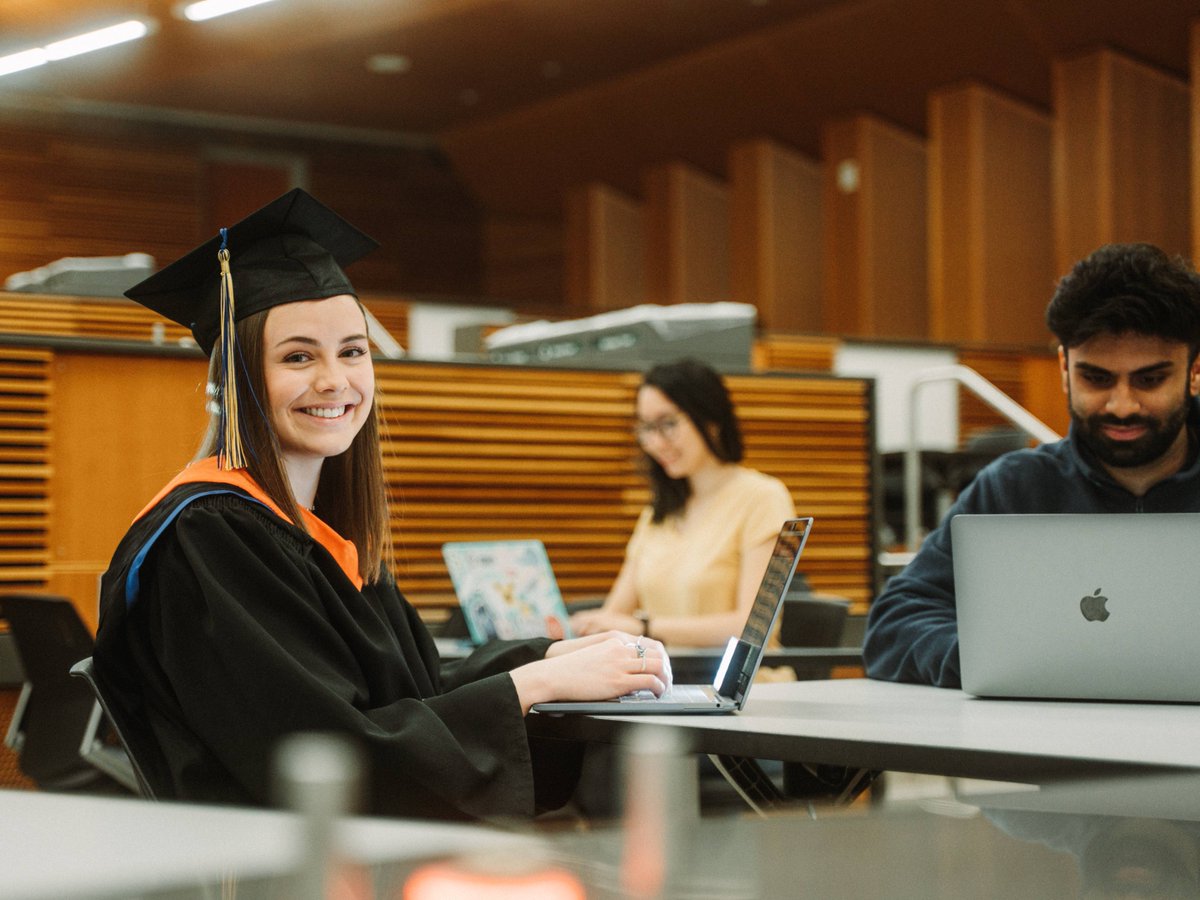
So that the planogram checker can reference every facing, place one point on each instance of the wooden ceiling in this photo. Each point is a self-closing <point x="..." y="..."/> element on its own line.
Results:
<point x="530" y="96"/>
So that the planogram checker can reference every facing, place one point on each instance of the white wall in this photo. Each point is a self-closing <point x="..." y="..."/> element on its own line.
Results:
<point x="894" y="369"/>
<point x="431" y="326"/>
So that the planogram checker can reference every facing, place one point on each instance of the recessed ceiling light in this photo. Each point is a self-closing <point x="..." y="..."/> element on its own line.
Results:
<point x="210" y="9"/>
<point x="73" y="46"/>
<point x="25" y="59"/>
<point x="388" y="64"/>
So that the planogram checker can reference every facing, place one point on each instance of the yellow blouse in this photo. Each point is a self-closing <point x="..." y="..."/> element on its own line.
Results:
<point x="692" y="568"/>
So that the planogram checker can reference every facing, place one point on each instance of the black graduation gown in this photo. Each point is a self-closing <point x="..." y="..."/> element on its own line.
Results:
<point x="243" y="629"/>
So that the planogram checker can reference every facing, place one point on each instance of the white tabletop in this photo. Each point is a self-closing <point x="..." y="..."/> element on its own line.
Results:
<point x="913" y="728"/>
<point x="60" y="845"/>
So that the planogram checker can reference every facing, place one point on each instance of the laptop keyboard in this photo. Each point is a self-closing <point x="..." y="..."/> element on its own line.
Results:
<point x="680" y="693"/>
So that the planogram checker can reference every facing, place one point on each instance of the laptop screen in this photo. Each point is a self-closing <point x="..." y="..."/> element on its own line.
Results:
<point x="507" y="589"/>
<point x="742" y="656"/>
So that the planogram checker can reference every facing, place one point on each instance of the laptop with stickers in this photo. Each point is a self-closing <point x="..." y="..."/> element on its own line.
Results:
<point x="506" y="589"/>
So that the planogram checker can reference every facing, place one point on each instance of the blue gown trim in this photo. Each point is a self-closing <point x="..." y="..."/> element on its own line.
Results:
<point x="133" y="579"/>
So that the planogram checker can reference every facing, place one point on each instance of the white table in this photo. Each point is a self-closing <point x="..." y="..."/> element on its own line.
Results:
<point x="911" y="728"/>
<point x="60" y="845"/>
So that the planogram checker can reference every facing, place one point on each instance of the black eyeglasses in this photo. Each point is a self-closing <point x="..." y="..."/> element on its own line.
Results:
<point x="666" y="428"/>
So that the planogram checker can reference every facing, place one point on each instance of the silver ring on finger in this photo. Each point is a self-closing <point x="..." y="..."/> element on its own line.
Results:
<point x="643" y="658"/>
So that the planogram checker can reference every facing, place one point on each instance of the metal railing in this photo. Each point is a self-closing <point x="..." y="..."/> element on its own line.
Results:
<point x="985" y="391"/>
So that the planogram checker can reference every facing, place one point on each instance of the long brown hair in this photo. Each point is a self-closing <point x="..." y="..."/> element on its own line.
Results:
<point x="351" y="493"/>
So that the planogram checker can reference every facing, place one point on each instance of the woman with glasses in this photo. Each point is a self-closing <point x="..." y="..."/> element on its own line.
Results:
<point x="699" y="550"/>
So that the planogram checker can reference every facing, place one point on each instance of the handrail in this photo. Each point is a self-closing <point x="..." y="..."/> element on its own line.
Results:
<point x="985" y="391"/>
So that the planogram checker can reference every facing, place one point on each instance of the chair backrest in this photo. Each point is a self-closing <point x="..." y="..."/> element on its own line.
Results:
<point x="93" y="743"/>
<point x="813" y="622"/>
<point x="49" y="634"/>
<point x="54" y="710"/>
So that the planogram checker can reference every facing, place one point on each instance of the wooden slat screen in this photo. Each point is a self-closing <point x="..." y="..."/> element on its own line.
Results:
<point x="490" y="452"/>
<point x="794" y="353"/>
<point x="60" y="316"/>
<point x="117" y="318"/>
<point x="1003" y="369"/>
<point x="477" y="452"/>
<point x="25" y="436"/>
<point x="392" y="314"/>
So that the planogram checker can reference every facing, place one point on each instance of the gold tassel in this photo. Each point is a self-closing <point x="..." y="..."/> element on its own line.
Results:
<point x="230" y="454"/>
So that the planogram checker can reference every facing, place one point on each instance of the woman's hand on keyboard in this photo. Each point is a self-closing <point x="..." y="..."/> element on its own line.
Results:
<point x="596" y="667"/>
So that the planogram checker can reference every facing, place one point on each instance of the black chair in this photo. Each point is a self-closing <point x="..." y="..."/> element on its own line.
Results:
<point x="98" y="752"/>
<point x="54" y="712"/>
<point x="808" y="621"/>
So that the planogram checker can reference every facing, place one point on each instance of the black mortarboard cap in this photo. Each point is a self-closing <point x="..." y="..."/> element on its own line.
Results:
<point x="292" y="249"/>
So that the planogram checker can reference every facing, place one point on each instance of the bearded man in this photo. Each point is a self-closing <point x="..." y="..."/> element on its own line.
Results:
<point x="1127" y="319"/>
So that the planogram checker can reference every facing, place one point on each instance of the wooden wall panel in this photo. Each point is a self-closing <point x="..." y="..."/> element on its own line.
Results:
<point x="123" y="426"/>
<point x="487" y="452"/>
<point x="1043" y="394"/>
<point x="1121" y="156"/>
<point x="471" y="451"/>
<point x="775" y="234"/>
<point x="129" y="187"/>
<point x="990" y="210"/>
<point x="794" y="352"/>
<point x="873" y="246"/>
<point x="235" y="186"/>
<point x="686" y="235"/>
<point x="67" y="194"/>
<point x="1194" y="121"/>
<point x="523" y="260"/>
<point x="605" y="252"/>
<point x="955" y="234"/>
<point x="26" y="437"/>
<point x="1029" y="377"/>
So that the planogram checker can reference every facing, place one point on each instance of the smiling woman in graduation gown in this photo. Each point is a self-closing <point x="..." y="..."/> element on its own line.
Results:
<point x="233" y="615"/>
<point x="245" y="629"/>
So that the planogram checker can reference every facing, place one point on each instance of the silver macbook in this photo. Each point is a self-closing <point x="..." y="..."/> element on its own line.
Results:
<point x="1090" y="607"/>
<point x="743" y="655"/>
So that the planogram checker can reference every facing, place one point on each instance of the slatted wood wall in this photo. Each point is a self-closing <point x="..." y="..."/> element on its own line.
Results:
<point x="486" y="452"/>
<point x="120" y="319"/>
<point x="794" y="353"/>
<point x="25" y="435"/>
<point x="1003" y="370"/>
<point x="25" y="504"/>
<point x="473" y="452"/>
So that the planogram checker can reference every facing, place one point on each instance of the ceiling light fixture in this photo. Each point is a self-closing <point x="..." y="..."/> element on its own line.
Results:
<point x="210" y="9"/>
<point x="388" y="64"/>
<point x="73" y="46"/>
<point x="97" y="40"/>
<point x="19" y="62"/>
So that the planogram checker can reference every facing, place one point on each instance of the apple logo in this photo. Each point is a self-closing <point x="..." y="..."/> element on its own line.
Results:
<point x="1092" y="607"/>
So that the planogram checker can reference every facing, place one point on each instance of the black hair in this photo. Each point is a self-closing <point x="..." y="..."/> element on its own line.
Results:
<point x="1127" y="289"/>
<point x="701" y="395"/>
